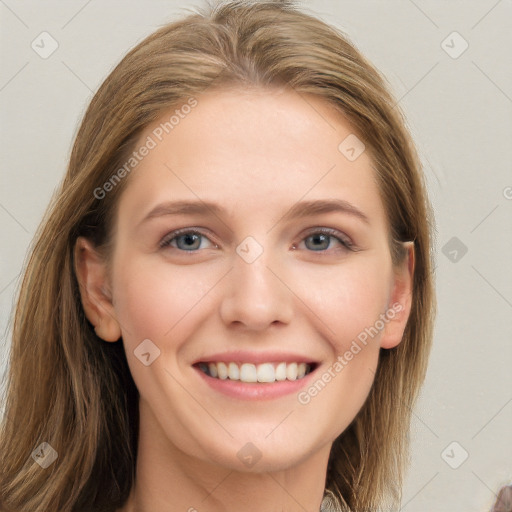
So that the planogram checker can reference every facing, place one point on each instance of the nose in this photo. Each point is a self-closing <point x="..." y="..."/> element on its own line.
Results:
<point x="257" y="295"/>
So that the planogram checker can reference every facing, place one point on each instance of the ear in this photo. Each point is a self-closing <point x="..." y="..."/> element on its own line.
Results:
<point x="90" y="269"/>
<point x="400" y="300"/>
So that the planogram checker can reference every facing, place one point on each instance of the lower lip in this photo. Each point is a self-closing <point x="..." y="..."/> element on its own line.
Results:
<point x="255" y="390"/>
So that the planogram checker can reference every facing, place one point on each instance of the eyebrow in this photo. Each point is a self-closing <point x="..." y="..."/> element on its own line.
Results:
<point x="298" y="210"/>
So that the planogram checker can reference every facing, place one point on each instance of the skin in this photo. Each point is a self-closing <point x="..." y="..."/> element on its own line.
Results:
<point x="255" y="152"/>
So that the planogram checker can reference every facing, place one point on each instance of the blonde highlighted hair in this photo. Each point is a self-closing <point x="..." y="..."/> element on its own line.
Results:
<point x="68" y="388"/>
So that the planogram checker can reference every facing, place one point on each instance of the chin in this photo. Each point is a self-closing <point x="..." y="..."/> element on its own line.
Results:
<point x="259" y="452"/>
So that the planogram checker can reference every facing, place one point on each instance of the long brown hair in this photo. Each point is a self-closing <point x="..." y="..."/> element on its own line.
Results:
<point x="68" y="388"/>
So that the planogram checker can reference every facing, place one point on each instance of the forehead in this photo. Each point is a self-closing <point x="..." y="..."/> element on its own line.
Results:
<point x="252" y="148"/>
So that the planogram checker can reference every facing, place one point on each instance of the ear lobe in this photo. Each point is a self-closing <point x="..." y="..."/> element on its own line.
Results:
<point x="90" y="270"/>
<point x="400" y="301"/>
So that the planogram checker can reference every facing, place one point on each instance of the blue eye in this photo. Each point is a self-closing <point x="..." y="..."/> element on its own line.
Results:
<point x="189" y="240"/>
<point x="186" y="240"/>
<point x="321" y="240"/>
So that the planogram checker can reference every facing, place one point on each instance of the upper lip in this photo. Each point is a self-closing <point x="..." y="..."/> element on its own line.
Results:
<point x="243" y="356"/>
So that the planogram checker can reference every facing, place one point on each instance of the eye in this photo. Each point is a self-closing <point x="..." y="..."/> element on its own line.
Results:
<point x="184" y="240"/>
<point x="322" y="239"/>
<point x="319" y="240"/>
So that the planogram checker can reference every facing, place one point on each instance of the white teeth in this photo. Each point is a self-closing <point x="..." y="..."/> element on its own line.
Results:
<point x="248" y="372"/>
<point x="266" y="373"/>
<point x="281" y="371"/>
<point x="213" y="369"/>
<point x="222" y="370"/>
<point x="291" y="371"/>
<point x="233" y="371"/>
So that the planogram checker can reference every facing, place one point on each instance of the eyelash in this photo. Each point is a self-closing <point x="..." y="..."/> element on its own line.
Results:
<point x="347" y="244"/>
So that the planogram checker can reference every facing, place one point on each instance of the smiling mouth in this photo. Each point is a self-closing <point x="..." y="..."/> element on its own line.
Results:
<point x="256" y="373"/>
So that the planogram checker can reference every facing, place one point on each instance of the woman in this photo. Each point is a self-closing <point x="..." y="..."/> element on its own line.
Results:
<point x="229" y="304"/>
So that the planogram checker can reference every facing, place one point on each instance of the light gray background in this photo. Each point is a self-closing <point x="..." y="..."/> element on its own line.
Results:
<point x="459" y="111"/>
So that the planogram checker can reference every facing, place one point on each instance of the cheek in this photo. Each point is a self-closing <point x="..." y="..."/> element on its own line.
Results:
<point x="156" y="300"/>
<point x="348" y="300"/>
<point x="348" y="304"/>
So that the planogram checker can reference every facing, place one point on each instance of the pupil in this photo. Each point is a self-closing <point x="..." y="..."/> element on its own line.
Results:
<point x="190" y="239"/>
<point x="320" y="238"/>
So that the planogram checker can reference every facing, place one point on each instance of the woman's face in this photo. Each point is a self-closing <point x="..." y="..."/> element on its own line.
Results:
<point x="259" y="283"/>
